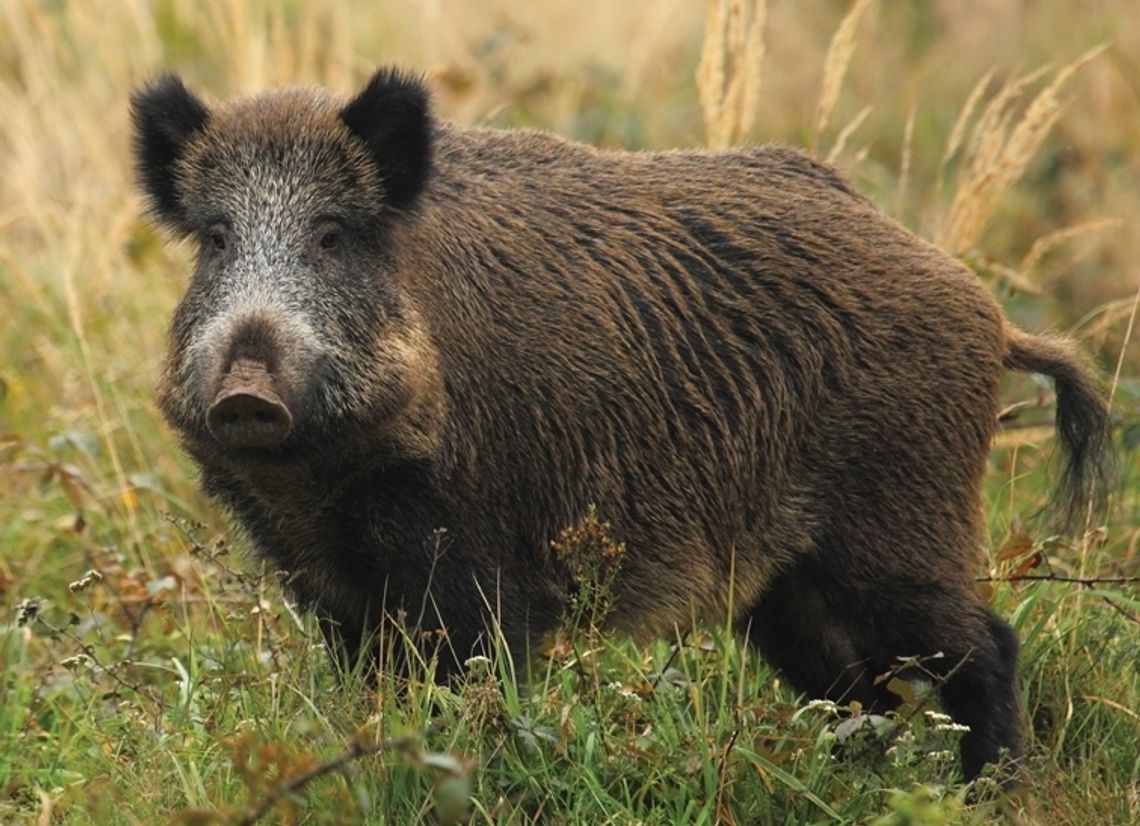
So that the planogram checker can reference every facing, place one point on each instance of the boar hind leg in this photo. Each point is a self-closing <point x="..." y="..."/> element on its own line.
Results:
<point x="979" y="685"/>
<point x="832" y="637"/>
<point x="975" y="666"/>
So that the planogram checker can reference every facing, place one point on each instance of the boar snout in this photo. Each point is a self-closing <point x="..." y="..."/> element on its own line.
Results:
<point x="248" y="411"/>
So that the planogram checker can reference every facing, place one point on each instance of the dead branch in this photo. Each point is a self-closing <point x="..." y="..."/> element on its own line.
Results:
<point x="356" y="750"/>
<point x="1087" y="582"/>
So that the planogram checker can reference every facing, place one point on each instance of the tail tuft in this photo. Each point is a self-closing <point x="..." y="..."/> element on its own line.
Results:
<point x="1083" y="424"/>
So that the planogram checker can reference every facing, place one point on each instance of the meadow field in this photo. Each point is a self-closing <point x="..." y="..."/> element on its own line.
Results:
<point x="151" y="672"/>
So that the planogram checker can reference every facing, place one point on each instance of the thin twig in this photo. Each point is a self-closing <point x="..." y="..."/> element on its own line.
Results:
<point x="1120" y="609"/>
<point x="1088" y="582"/>
<point x="112" y="671"/>
<point x="1124" y="348"/>
<point x="722" y="769"/>
<point x="669" y="662"/>
<point x="355" y="751"/>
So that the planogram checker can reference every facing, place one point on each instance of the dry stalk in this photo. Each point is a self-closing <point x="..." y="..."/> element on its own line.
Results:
<point x="958" y="132"/>
<point x="835" y="67"/>
<point x="1124" y="348"/>
<point x="728" y="76"/>
<point x="904" y="162"/>
<point x="1048" y="242"/>
<point x="845" y="134"/>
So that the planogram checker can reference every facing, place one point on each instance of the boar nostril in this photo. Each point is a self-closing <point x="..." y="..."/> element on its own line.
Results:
<point x="248" y="412"/>
<point x="247" y="420"/>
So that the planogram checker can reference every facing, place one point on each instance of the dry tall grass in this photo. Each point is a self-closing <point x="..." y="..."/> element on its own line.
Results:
<point x="835" y="65"/>
<point x="999" y="148"/>
<point x="728" y="76"/>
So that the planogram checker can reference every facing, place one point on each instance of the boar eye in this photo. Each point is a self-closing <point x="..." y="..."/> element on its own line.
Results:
<point x="218" y="239"/>
<point x="330" y="240"/>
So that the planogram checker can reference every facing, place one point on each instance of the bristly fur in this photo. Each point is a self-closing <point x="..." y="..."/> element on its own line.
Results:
<point x="780" y="399"/>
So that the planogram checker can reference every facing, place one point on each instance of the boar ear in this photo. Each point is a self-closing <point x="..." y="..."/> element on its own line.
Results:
<point x="165" y="116"/>
<point x="392" y="117"/>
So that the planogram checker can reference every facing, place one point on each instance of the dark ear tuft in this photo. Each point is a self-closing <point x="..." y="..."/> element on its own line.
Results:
<point x="392" y="117"/>
<point x="165" y="116"/>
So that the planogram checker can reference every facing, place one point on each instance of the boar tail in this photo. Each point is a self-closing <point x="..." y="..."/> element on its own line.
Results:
<point x="1083" y="423"/>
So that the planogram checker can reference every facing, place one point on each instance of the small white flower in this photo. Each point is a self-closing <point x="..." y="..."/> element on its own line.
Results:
<point x="951" y="727"/>
<point x="937" y="717"/>
<point x="826" y="705"/>
<point x="625" y="692"/>
<point x="478" y="664"/>
<point x="85" y="581"/>
<point x="76" y="662"/>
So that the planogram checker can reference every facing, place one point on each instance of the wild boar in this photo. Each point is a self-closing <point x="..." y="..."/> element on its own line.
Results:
<point x="780" y="399"/>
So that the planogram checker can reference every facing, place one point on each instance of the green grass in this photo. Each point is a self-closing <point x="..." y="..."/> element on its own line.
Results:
<point x="163" y="704"/>
<point x="177" y="686"/>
